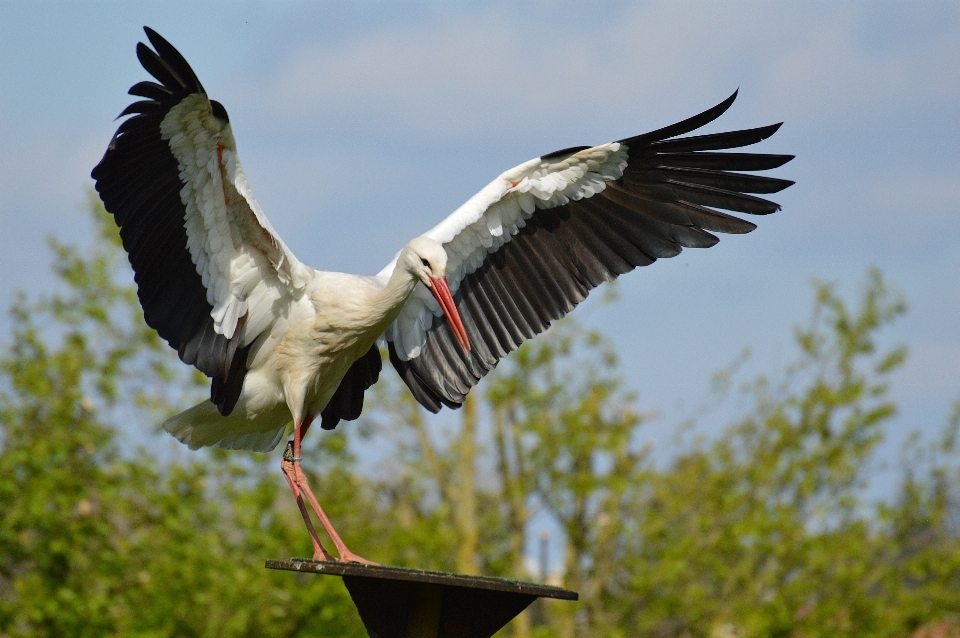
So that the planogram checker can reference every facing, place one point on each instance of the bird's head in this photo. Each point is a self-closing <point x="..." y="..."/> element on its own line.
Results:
<point x="427" y="261"/>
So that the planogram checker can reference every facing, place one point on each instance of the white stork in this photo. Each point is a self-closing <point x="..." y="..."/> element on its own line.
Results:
<point x="281" y="340"/>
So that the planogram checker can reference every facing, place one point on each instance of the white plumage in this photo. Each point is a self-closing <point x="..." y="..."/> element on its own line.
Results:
<point x="283" y="341"/>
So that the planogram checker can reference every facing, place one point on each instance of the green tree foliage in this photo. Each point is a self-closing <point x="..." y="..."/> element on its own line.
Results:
<point x="98" y="542"/>
<point x="761" y="530"/>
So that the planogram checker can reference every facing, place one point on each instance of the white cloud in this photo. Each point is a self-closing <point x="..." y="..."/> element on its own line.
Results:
<point x="464" y="78"/>
<point x="478" y="73"/>
<point x="472" y="75"/>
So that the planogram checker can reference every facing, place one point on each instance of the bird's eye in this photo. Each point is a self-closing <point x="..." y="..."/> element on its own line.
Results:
<point x="425" y="263"/>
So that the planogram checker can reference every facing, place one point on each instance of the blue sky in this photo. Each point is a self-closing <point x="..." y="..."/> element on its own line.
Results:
<point x="362" y="125"/>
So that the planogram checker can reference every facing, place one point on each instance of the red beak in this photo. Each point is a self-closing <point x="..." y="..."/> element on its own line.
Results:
<point x="441" y="291"/>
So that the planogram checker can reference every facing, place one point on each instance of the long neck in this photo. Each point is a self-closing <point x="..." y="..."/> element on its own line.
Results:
<point x="391" y="298"/>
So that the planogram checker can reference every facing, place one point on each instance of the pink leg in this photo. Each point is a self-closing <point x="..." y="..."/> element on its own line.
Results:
<point x="298" y="482"/>
<point x="319" y="553"/>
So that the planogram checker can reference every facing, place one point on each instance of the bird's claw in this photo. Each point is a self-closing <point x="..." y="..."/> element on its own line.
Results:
<point x="346" y="556"/>
<point x="320" y="554"/>
<point x="350" y="557"/>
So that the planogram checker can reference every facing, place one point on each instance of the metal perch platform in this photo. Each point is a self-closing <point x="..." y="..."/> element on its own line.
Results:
<point x="395" y="602"/>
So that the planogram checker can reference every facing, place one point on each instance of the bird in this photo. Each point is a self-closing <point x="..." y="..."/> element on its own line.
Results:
<point x="283" y="342"/>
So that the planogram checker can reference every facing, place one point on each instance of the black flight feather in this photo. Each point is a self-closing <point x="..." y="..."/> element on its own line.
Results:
<point x="667" y="199"/>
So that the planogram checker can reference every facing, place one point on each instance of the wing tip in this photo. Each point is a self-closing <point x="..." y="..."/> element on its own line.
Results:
<point x="165" y="60"/>
<point x="730" y="100"/>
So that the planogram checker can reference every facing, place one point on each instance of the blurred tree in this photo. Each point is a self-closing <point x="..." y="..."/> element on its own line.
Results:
<point x="922" y="529"/>
<point x="561" y="435"/>
<point x="766" y="531"/>
<point x="94" y="541"/>
<point x="763" y="530"/>
<point x="565" y="438"/>
<point x="61" y="481"/>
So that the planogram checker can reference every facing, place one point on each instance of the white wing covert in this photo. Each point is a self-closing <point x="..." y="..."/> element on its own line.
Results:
<point x="489" y="219"/>
<point x="530" y="246"/>
<point x="210" y="269"/>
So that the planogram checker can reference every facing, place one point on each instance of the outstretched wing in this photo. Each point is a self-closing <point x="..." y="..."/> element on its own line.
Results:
<point x="530" y="246"/>
<point x="211" y="273"/>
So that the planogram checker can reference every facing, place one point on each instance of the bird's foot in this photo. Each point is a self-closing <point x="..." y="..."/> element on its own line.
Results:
<point x="347" y="556"/>
<point x="298" y="483"/>
<point x="319" y="553"/>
